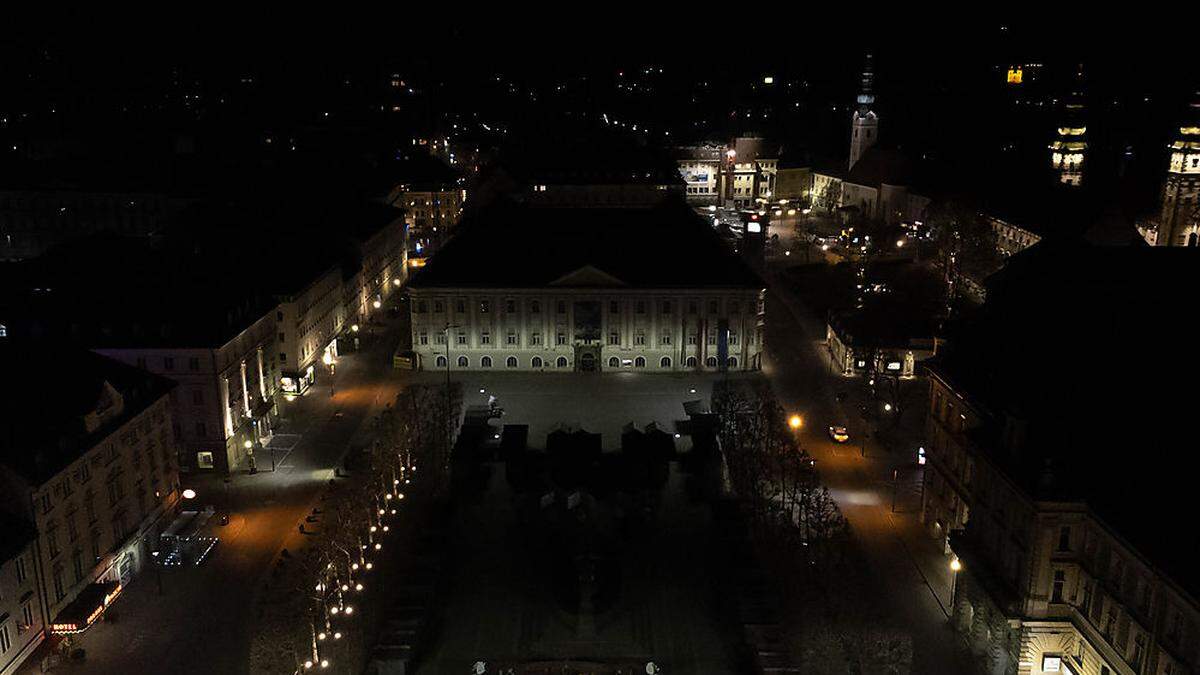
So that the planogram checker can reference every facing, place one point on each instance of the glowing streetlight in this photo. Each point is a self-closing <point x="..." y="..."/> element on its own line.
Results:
<point x="795" y="422"/>
<point x="189" y="494"/>
<point x="955" y="566"/>
<point x="377" y="304"/>
<point x="327" y="359"/>
<point x="354" y="327"/>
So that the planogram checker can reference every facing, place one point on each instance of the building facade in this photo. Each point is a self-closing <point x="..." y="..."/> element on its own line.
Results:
<point x="589" y="328"/>
<point x="742" y="173"/>
<point x="96" y="487"/>
<point x="1047" y="585"/>
<point x="22" y="622"/>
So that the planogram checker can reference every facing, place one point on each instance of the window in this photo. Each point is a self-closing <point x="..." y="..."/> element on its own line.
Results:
<point x="193" y="364"/>
<point x="614" y="307"/>
<point x="437" y="307"/>
<point x="664" y="362"/>
<point x="639" y="339"/>
<point x="484" y="307"/>
<point x="510" y="307"/>
<point x="711" y="362"/>
<point x="282" y="357"/>
<point x="666" y="307"/>
<point x="421" y="307"/>
<point x="733" y="337"/>
<point x="22" y="572"/>
<point x="561" y="362"/>
<point x="46" y="503"/>
<point x="511" y="362"/>
<point x="536" y="362"/>
<point x="535" y="307"/>
<point x="201" y="430"/>
<point x="692" y="307"/>
<point x="1139" y="652"/>
<point x="535" y="338"/>
<point x="639" y="362"/>
<point x="59" y="590"/>
<point x="561" y="307"/>
<point x="511" y="338"/>
<point x="734" y="307"/>
<point x="664" y="339"/>
<point x="462" y="338"/>
<point x="1064" y="538"/>
<point x="1060" y="580"/>
<point x="691" y="362"/>
<point x="27" y="615"/>
<point x="462" y="362"/>
<point x="485" y="362"/>
<point x="5" y="639"/>
<point x="423" y="338"/>
<point x="560" y="339"/>
<point x="168" y="363"/>
<point x="712" y="337"/>
<point x="614" y="362"/>
<point x="460" y="306"/>
<point x="485" y="338"/>
<point x="441" y="362"/>
<point x="614" y="338"/>
<point x="732" y="361"/>
<point x="640" y="307"/>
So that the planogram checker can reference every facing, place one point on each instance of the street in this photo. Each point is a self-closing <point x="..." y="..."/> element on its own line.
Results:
<point x="909" y="573"/>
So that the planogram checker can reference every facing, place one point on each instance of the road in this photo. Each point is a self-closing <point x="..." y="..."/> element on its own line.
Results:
<point x="201" y="622"/>
<point x="910" y="574"/>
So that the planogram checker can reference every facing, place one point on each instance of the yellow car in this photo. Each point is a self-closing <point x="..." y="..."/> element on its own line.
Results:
<point x="839" y="434"/>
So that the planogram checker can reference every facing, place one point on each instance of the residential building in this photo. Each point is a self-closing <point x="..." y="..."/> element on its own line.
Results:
<point x="22" y="622"/>
<point x="529" y="288"/>
<point x="88" y="458"/>
<point x="741" y="172"/>
<point x="1053" y="466"/>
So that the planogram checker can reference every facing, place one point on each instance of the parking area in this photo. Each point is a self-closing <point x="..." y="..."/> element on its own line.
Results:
<point x="602" y="403"/>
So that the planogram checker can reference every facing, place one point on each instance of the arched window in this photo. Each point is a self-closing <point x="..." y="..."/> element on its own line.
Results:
<point x="485" y="362"/>
<point x="511" y="362"/>
<point x="614" y="362"/>
<point x="536" y="362"/>
<point x="664" y="362"/>
<point x="691" y="362"/>
<point x="732" y="362"/>
<point x="441" y="362"/>
<point x="711" y="362"/>
<point x="463" y="362"/>
<point x="639" y="362"/>
<point x="562" y="362"/>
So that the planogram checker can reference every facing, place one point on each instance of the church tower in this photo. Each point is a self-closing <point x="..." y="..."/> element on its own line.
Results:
<point x="864" y="129"/>
<point x="1069" y="147"/>
<point x="1179" y="222"/>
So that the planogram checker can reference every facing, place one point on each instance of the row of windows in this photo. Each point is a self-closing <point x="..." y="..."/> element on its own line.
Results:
<point x="614" y="338"/>
<point x="562" y="362"/>
<point x="560" y="306"/>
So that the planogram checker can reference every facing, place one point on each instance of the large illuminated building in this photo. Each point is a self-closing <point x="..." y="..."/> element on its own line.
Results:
<point x="1179" y="220"/>
<point x="1056" y="502"/>
<point x="570" y="289"/>
<point x="88" y="459"/>
<point x="1068" y="150"/>
<point x="741" y="173"/>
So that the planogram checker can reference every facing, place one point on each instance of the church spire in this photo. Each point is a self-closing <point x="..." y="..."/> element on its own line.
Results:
<point x="864" y="129"/>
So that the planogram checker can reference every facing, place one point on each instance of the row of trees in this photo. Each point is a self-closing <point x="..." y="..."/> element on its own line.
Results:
<point x="309" y="611"/>
<point x="773" y="476"/>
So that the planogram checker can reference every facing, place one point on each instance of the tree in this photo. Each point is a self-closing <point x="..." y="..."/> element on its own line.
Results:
<point x="966" y="243"/>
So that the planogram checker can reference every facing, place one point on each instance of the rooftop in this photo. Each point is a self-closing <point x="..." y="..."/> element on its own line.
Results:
<point x="512" y="245"/>
<point x="1057" y="357"/>
<point x="43" y="429"/>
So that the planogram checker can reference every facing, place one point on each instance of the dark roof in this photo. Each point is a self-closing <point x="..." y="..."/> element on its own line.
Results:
<point x="1085" y="350"/>
<point x="879" y="166"/>
<point x="517" y="246"/>
<point x="18" y="533"/>
<point x="50" y="389"/>
<point x="197" y="285"/>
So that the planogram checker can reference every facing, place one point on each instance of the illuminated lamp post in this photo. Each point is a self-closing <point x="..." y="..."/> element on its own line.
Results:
<point x="955" y="566"/>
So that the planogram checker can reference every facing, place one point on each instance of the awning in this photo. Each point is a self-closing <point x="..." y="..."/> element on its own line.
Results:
<point x="86" y="608"/>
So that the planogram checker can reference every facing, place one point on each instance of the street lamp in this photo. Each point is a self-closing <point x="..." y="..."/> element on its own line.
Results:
<point x="189" y="494"/>
<point x="795" y="422"/>
<point x="955" y="566"/>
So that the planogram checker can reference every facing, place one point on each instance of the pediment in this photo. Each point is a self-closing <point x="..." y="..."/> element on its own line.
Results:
<point x="589" y="276"/>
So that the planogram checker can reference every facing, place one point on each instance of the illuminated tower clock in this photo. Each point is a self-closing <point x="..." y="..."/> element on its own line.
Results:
<point x="1179" y="222"/>
<point x="864" y="129"/>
